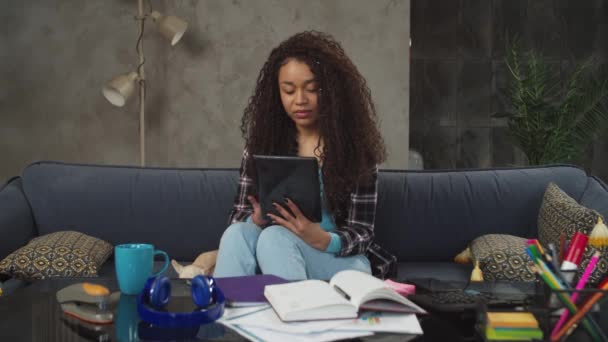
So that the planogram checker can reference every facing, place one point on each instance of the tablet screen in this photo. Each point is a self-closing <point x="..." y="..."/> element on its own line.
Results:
<point x="296" y="178"/>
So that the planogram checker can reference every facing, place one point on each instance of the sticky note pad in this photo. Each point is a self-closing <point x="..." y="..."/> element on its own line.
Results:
<point x="512" y="320"/>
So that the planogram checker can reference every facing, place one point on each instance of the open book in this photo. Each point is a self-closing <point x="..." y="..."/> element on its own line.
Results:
<point x="347" y="292"/>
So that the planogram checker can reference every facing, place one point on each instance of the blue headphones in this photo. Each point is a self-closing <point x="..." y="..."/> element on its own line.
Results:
<point x="207" y="296"/>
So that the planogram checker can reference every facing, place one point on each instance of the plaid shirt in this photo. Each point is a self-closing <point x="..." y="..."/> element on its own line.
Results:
<point x="357" y="231"/>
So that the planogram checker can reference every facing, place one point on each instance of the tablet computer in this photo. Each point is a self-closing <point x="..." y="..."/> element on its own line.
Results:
<point x="296" y="178"/>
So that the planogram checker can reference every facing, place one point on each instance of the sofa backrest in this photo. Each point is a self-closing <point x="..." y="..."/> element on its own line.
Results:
<point x="182" y="211"/>
<point x="433" y="215"/>
<point x="421" y="215"/>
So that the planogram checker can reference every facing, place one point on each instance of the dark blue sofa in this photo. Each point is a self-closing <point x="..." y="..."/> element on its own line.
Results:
<point x="423" y="217"/>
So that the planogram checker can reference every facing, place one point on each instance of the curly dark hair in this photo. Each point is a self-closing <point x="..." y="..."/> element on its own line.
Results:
<point x="347" y="115"/>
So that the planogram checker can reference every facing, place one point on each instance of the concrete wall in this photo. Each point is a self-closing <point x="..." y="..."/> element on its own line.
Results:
<point x="56" y="55"/>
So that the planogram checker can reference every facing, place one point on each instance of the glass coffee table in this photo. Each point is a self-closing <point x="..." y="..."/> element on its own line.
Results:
<point x="33" y="314"/>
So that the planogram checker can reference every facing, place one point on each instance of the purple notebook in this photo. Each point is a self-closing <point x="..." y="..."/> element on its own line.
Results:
<point x="247" y="290"/>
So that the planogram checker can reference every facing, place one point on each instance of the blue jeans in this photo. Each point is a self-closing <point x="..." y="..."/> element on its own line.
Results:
<point x="246" y="249"/>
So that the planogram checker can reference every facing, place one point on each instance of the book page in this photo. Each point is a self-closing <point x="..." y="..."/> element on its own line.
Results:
<point x="268" y="319"/>
<point x="385" y="322"/>
<point x="361" y="287"/>
<point x="261" y="334"/>
<point x="356" y="285"/>
<point x="301" y="296"/>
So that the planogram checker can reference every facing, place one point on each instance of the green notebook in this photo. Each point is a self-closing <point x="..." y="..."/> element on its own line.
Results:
<point x="516" y="334"/>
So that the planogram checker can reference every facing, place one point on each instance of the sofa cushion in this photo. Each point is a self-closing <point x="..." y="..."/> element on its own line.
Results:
<point x="502" y="257"/>
<point x="60" y="254"/>
<point x="561" y="213"/>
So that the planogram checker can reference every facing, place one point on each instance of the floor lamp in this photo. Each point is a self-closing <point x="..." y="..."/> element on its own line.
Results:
<point x="120" y="88"/>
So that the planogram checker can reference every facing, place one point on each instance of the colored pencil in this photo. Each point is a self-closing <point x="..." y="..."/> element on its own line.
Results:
<point x="544" y="272"/>
<point x="581" y="313"/>
<point x="581" y="285"/>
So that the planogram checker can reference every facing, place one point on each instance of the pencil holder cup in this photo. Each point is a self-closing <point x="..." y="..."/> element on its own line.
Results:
<point x="549" y="307"/>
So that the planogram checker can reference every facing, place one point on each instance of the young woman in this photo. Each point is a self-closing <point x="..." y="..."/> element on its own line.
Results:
<point x="310" y="100"/>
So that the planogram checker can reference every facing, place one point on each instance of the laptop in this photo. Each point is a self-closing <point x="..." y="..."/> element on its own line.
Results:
<point x="296" y="178"/>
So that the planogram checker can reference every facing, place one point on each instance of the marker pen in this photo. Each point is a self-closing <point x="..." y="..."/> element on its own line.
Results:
<point x="574" y="255"/>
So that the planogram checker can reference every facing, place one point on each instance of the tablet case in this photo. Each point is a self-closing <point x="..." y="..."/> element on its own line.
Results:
<point x="296" y="178"/>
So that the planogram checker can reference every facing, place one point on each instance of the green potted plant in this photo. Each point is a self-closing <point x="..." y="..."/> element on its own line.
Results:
<point x="553" y="118"/>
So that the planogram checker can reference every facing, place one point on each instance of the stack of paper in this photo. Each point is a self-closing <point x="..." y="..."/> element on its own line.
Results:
<point x="263" y="324"/>
<point x="307" y="310"/>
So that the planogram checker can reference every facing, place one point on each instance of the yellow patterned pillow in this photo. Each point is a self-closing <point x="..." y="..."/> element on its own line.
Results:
<point x="502" y="257"/>
<point x="560" y="213"/>
<point x="60" y="254"/>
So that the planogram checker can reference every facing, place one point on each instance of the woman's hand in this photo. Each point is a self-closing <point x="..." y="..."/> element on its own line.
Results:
<point x="310" y="232"/>
<point x="256" y="217"/>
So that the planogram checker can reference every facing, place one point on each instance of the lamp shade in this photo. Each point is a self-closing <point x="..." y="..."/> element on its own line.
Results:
<point x="120" y="88"/>
<point x="171" y="27"/>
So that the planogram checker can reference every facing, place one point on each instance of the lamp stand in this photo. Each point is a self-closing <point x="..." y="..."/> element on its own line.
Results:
<point x="142" y="86"/>
<point x="120" y="88"/>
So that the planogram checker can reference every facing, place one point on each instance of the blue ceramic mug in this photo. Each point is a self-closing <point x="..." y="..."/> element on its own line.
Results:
<point x="134" y="263"/>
